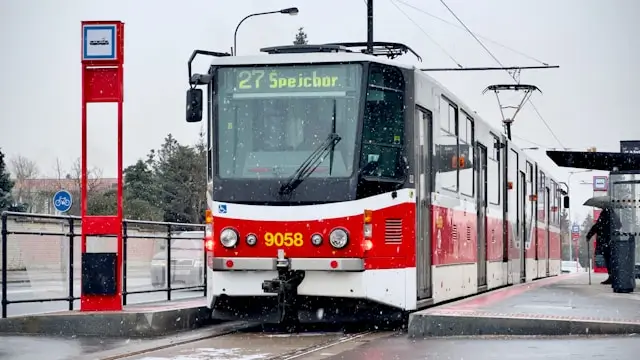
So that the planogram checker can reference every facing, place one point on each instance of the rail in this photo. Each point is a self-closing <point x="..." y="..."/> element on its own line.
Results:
<point x="160" y="263"/>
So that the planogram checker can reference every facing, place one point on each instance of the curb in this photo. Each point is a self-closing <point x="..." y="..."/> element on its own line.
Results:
<point x="125" y="324"/>
<point x="439" y="325"/>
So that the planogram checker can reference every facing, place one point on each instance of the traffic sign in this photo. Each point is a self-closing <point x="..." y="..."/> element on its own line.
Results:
<point x="575" y="229"/>
<point x="62" y="201"/>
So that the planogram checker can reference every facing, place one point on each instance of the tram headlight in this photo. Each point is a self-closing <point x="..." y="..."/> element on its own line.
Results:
<point x="251" y="239"/>
<point x="228" y="238"/>
<point x="338" y="238"/>
<point x="316" y="239"/>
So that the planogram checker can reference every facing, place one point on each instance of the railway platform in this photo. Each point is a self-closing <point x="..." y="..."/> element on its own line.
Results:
<point x="135" y="321"/>
<point x="562" y="305"/>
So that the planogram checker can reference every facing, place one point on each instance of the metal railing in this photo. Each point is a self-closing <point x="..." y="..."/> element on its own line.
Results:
<point x="131" y="229"/>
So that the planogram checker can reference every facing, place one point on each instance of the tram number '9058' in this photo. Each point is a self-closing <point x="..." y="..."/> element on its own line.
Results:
<point x="283" y="239"/>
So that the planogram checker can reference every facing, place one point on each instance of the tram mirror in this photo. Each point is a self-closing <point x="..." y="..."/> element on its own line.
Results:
<point x="194" y="105"/>
<point x="565" y="202"/>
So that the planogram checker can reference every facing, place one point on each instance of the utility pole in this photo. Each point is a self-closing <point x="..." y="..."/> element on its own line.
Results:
<point x="369" y="27"/>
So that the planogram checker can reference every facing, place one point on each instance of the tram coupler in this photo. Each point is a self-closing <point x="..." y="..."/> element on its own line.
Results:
<point x="286" y="287"/>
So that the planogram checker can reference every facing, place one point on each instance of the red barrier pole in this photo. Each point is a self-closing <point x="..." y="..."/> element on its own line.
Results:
<point x="102" y="82"/>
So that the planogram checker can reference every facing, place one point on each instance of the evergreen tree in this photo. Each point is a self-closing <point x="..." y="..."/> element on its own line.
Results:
<point x="301" y="37"/>
<point x="6" y="185"/>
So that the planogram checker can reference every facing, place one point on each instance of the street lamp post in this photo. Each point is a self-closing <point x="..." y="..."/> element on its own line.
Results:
<point x="571" y="173"/>
<point x="290" y="11"/>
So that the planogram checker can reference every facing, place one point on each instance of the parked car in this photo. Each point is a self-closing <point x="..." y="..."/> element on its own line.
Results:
<point x="187" y="261"/>
<point x="571" y="267"/>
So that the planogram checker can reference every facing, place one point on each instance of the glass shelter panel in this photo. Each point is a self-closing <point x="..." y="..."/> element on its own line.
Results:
<point x="624" y="190"/>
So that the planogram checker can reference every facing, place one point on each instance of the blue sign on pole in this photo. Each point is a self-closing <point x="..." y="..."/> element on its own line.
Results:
<point x="62" y="201"/>
<point x="575" y="229"/>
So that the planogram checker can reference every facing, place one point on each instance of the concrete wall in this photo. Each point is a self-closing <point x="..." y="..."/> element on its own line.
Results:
<point x="43" y="251"/>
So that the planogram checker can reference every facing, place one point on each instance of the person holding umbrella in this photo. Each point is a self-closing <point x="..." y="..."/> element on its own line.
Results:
<point x="606" y="223"/>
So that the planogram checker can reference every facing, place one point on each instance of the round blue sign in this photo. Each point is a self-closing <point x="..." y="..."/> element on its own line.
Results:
<point x="62" y="201"/>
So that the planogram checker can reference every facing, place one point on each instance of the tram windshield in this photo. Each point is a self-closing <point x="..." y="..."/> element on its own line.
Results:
<point x="271" y="119"/>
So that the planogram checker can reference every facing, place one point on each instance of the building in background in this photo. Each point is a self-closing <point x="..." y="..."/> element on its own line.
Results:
<point x="37" y="194"/>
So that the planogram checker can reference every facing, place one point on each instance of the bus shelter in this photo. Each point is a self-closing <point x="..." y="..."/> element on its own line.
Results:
<point x="624" y="192"/>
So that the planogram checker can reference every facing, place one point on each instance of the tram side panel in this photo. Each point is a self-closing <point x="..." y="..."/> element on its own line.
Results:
<point x="531" y="242"/>
<point x="542" y="230"/>
<point x="453" y="216"/>
<point x="515" y="221"/>
<point x="555" y="245"/>
<point x="496" y="266"/>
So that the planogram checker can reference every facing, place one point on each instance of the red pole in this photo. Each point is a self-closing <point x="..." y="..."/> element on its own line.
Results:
<point x="102" y="82"/>
<point x="120" y="175"/>
<point x="83" y="161"/>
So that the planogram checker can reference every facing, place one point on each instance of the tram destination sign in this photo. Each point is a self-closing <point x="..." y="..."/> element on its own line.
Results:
<point x="292" y="79"/>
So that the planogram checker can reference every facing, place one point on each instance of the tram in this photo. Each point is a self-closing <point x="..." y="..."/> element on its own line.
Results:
<point x="345" y="185"/>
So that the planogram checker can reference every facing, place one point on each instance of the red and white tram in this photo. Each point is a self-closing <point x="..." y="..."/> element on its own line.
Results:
<point x="358" y="186"/>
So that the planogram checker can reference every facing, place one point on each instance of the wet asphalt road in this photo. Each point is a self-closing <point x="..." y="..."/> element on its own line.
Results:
<point x="498" y="348"/>
<point x="399" y="347"/>
<point x="43" y="290"/>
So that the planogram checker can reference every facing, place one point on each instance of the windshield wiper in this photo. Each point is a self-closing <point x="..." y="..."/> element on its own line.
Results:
<point x="310" y="164"/>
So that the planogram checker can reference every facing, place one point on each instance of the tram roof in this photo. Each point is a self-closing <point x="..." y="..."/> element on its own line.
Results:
<point x="308" y="58"/>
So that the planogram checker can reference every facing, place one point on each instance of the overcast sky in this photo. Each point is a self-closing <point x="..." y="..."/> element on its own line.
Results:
<point x="589" y="101"/>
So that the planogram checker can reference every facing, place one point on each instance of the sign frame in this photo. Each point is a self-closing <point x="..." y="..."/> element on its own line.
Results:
<point x="90" y="30"/>
<point x="600" y="183"/>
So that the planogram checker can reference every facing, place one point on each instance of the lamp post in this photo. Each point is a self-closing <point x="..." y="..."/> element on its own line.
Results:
<point x="290" y="11"/>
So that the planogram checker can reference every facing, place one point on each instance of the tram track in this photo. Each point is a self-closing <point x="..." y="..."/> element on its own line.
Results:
<point x="230" y="332"/>
<point x="214" y="331"/>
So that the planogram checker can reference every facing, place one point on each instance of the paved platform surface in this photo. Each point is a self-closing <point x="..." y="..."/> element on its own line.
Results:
<point x="487" y="348"/>
<point x="563" y="305"/>
<point x="143" y="320"/>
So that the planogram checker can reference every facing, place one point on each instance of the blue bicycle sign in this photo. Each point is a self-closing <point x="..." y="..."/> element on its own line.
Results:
<point x="62" y="201"/>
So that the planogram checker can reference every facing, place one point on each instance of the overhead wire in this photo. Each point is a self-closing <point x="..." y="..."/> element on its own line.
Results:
<point x="512" y="75"/>
<point x="426" y="34"/>
<point x="478" y="35"/>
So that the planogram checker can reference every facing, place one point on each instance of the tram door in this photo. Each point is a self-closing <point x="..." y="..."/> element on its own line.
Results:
<point x="522" y="198"/>
<point x="481" y="200"/>
<point x="423" y="202"/>
<point x="547" y="210"/>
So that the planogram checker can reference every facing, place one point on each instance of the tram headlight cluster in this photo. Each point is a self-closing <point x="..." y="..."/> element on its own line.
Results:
<point x="338" y="238"/>
<point x="228" y="238"/>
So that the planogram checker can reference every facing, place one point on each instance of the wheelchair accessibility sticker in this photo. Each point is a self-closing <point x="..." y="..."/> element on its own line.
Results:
<point x="222" y="208"/>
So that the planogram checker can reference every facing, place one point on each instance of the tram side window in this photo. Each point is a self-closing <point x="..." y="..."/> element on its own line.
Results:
<point x="383" y="130"/>
<point x="494" y="169"/>
<point x="467" y="140"/>
<point x="531" y="189"/>
<point x="542" y="211"/>
<point x="447" y="152"/>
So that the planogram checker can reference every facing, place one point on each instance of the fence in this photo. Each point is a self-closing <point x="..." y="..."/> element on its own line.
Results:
<point x="48" y="248"/>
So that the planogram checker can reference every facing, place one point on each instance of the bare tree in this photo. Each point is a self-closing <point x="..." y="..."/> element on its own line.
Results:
<point x="71" y="181"/>
<point x="25" y="171"/>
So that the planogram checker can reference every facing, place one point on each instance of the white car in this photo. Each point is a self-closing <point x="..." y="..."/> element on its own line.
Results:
<point x="571" y="267"/>
<point x="187" y="261"/>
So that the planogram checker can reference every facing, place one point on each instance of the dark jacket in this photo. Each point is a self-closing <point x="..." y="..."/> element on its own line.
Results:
<point x="606" y="223"/>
